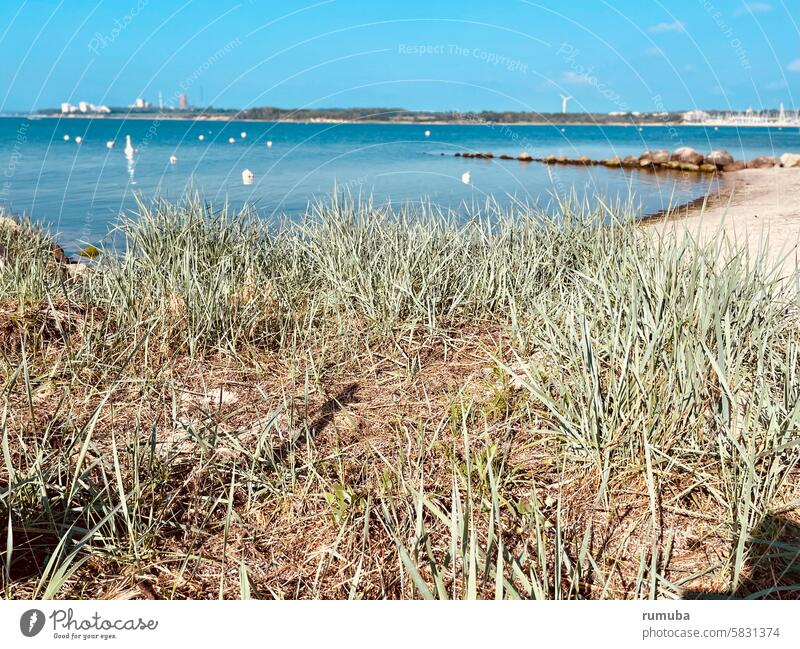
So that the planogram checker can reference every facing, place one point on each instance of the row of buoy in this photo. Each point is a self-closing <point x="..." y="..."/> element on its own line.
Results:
<point x="247" y="176"/>
<point x="231" y="140"/>
<point x="110" y="144"/>
<point x="173" y="159"/>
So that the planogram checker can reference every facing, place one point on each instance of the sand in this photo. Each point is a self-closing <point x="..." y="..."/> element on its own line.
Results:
<point x="752" y="206"/>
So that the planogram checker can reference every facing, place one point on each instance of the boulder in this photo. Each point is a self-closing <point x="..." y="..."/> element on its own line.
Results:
<point x="661" y="156"/>
<point x="549" y="158"/>
<point x="59" y="255"/>
<point x="672" y="164"/>
<point x="77" y="270"/>
<point x="656" y="157"/>
<point x="90" y="252"/>
<point x="613" y="162"/>
<point x="689" y="166"/>
<point x="585" y="159"/>
<point x="708" y="168"/>
<point x="719" y="158"/>
<point x="7" y="221"/>
<point x="790" y="159"/>
<point x="645" y="162"/>
<point x="486" y="154"/>
<point x="762" y="162"/>
<point x="688" y="155"/>
<point x="736" y="165"/>
<point x="525" y="156"/>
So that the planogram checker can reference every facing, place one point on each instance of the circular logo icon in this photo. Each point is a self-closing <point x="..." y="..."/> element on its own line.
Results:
<point x="31" y="622"/>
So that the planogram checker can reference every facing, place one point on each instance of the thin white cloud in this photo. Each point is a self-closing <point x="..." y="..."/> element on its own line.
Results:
<point x="794" y="66"/>
<point x="777" y="85"/>
<point x="654" y="51"/>
<point x="753" y="8"/>
<point x="661" y="28"/>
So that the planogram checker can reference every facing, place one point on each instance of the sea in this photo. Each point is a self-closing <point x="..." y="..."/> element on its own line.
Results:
<point x="62" y="173"/>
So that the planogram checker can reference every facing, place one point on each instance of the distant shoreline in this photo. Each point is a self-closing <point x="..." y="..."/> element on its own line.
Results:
<point x="225" y="118"/>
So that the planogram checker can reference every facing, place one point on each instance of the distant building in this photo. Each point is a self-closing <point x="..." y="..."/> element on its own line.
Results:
<point x="696" y="116"/>
<point x="140" y="103"/>
<point x="83" y="107"/>
<point x="183" y="102"/>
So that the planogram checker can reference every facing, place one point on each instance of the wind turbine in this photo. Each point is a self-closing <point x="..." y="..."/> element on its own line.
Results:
<point x="564" y="100"/>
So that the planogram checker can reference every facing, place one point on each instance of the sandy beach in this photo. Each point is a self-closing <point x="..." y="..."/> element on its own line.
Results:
<point x="752" y="205"/>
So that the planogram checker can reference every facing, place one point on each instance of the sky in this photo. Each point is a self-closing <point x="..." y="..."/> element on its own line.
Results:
<point x="516" y="55"/>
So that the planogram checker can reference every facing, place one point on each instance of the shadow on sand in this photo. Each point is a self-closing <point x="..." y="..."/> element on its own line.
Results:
<point x="772" y="568"/>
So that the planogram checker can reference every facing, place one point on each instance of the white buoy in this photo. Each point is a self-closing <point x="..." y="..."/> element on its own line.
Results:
<point x="66" y="138"/>
<point x="427" y="133"/>
<point x="173" y="159"/>
<point x="201" y="137"/>
<point x="640" y="129"/>
<point x="231" y="140"/>
<point x="78" y="139"/>
<point x="128" y="146"/>
<point x="243" y="134"/>
<point x="563" y="130"/>
<point x="269" y="144"/>
<point x="110" y="144"/>
<point x="248" y="177"/>
<point x="465" y="178"/>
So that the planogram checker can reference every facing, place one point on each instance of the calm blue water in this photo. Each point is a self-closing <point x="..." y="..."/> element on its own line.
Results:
<point x="78" y="189"/>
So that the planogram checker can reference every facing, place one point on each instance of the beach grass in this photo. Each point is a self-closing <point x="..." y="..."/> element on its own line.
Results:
<point x="378" y="402"/>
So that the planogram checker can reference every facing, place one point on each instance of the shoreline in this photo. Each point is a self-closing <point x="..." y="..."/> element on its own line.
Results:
<point x="224" y="118"/>
<point x="725" y="186"/>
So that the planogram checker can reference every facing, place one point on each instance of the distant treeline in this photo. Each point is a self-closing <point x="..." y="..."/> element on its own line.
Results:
<point x="401" y="115"/>
<point x="486" y="116"/>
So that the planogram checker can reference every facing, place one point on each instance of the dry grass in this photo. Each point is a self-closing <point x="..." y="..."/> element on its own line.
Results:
<point x="373" y="405"/>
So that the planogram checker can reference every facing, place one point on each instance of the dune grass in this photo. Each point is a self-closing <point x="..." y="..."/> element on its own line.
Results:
<point x="379" y="402"/>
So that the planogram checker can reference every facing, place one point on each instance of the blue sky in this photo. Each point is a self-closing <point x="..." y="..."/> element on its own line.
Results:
<point x="427" y="55"/>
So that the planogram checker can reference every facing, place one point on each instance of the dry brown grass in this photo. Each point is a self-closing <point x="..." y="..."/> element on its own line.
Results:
<point x="383" y="409"/>
<point x="310" y="423"/>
